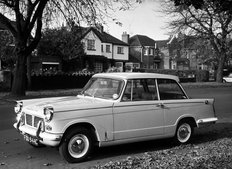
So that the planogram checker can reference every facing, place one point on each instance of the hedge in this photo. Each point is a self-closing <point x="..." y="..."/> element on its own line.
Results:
<point x="44" y="82"/>
<point x="184" y="75"/>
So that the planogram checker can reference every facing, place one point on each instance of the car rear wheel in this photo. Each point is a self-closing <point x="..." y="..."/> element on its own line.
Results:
<point x="184" y="132"/>
<point x="77" y="145"/>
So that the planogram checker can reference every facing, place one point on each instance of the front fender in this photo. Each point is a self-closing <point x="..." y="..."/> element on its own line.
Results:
<point x="102" y="132"/>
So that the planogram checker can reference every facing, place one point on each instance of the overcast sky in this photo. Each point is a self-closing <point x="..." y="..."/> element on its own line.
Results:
<point x="144" y="20"/>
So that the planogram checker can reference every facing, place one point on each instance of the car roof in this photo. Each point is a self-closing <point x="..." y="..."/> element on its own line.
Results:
<point x="136" y="75"/>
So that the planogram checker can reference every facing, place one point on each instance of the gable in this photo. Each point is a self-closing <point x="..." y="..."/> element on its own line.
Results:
<point x="141" y="40"/>
<point x="91" y="35"/>
<point x="105" y="37"/>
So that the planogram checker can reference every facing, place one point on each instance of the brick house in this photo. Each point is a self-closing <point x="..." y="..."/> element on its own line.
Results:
<point x="163" y="52"/>
<point x="142" y="49"/>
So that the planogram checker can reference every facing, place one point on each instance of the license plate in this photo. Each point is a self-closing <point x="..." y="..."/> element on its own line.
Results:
<point x="31" y="139"/>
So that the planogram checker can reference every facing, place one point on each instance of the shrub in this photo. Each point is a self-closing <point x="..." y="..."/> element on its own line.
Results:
<point x="202" y="76"/>
<point x="5" y="80"/>
<point x="184" y="75"/>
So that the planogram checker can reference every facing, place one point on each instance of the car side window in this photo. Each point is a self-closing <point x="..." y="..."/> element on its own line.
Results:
<point x="140" y="90"/>
<point x="170" y="90"/>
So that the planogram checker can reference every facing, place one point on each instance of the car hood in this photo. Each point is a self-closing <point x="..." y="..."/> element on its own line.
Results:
<point x="61" y="104"/>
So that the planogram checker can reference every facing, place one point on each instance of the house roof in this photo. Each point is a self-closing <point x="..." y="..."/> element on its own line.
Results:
<point x="3" y="27"/>
<point x="141" y="40"/>
<point x="105" y="37"/>
<point x="162" y="43"/>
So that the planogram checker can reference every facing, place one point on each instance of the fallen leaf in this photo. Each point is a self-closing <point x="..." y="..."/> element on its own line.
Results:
<point x="29" y="157"/>
<point x="2" y="164"/>
<point x="47" y="164"/>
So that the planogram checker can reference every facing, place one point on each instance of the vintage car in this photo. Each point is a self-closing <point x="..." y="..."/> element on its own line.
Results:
<point x="113" y="108"/>
<point x="227" y="79"/>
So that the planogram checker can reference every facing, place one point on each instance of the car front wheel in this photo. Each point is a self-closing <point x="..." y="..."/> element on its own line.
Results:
<point x="184" y="132"/>
<point x="76" y="146"/>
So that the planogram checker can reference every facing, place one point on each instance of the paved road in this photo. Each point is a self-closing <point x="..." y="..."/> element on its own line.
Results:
<point x="15" y="153"/>
<point x="223" y="99"/>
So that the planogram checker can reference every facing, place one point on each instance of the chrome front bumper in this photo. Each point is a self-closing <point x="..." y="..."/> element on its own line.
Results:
<point x="48" y="139"/>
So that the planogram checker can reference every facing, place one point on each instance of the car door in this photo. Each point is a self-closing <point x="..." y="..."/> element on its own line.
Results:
<point x="175" y="103"/>
<point x="139" y="113"/>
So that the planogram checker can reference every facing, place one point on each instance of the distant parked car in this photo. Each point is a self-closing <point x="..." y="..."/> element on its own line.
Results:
<point x="113" y="108"/>
<point x="228" y="79"/>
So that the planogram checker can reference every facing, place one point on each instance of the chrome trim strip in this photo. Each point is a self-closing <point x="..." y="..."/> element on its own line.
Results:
<point x="109" y="107"/>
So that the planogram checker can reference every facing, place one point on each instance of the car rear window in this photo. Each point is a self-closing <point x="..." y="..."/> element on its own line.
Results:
<point x="170" y="90"/>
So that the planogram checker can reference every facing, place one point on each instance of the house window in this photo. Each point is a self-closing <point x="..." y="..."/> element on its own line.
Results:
<point x="146" y="50"/>
<point x="108" y="48"/>
<point x="120" y="50"/>
<point x="98" y="67"/>
<point x="102" y="48"/>
<point x="151" y="51"/>
<point x="90" y="44"/>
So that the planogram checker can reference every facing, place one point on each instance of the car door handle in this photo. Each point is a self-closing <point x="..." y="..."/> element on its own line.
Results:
<point x="161" y="105"/>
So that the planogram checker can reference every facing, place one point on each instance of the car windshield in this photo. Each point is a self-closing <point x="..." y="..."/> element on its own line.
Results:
<point x="103" y="88"/>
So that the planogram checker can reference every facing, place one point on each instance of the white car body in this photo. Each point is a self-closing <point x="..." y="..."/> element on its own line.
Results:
<point x="228" y="79"/>
<point x="115" y="120"/>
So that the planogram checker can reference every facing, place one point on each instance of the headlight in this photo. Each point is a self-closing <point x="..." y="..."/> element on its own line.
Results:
<point x="18" y="107"/>
<point x="48" y="113"/>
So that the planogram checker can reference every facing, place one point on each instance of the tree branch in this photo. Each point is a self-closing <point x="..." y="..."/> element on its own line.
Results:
<point x="37" y="14"/>
<point x="7" y="23"/>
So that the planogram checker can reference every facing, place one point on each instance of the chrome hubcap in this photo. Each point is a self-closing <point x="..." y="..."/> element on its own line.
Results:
<point x="78" y="146"/>
<point x="184" y="133"/>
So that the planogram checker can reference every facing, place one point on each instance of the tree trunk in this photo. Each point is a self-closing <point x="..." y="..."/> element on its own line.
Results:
<point x="219" y="75"/>
<point x="19" y="82"/>
<point x="29" y="72"/>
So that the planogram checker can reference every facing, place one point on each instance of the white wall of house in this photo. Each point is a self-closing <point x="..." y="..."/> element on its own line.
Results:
<point x="92" y="36"/>
<point x="121" y="56"/>
<point x="166" y="58"/>
<point x="101" y="48"/>
<point x="108" y="54"/>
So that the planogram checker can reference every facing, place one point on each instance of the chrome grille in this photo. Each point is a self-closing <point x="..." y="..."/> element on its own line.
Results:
<point x="29" y="119"/>
<point x="32" y="120"/>
<point x="36" y="120"/>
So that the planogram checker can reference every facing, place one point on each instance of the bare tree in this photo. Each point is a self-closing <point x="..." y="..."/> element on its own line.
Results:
<point x="208" y="22"/>
<point x="29" y="16"/>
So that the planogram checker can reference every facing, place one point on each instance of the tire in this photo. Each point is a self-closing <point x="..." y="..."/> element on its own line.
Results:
<point x="184" y="132"/>
<point x="77" y="145"/>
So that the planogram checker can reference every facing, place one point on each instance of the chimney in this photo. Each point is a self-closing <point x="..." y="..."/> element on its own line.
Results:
<point x="125" y="37"/>
<point x="100" y="28"/>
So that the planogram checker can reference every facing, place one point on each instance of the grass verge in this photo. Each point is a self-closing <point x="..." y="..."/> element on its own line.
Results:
<point x="210" y="148"/>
